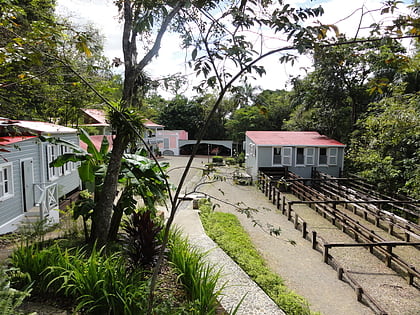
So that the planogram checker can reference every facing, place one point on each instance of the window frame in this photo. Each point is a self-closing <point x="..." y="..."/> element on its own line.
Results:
<point x="53" y="173"/>
<point x="8" y="168"/>
<point x="273" y="155"/>
<point x="297" y="155"/>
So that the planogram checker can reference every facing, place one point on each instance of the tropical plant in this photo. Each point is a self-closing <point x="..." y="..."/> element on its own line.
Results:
<point x="140" y="242"/>
<point x="139" y="176"/>
<point x="199" y="278"/>
<point x="10" y="298"/>
<point x="100" y="284"/>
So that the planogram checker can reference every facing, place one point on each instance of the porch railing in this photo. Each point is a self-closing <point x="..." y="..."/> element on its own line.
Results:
<point x="48" y="198"/>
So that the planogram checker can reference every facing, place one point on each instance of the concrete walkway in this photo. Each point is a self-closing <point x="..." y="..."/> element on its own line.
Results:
<point x="238" y="283"/>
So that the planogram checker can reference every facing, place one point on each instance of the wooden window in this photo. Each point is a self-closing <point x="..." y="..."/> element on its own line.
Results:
<point x="252" y="150"/>
<point x="66" y="168"/>
<point x="51" y="156"/>
<point x="277" y="156"/>
<point x="6" y="181"/>
<point x="322" y="156"/>
<point x="286" y="156"/>
<point x="332" y="156"/>
<point x="165" y="143"/>
<point x="300" y="156"/>
<point x="309" y="156"/>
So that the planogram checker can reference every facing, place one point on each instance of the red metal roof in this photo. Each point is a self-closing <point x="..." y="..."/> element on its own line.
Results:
<point x="5" y="141"/>
<point x="291" y="138"/>
<point x="150" y="124"/>
<point x="97" y="141"/>
<point x="98" y="115"/>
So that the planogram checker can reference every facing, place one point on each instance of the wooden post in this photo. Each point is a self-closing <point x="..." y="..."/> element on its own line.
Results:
<point x="410" y="275"/>
<point x="296" y="221"/>
<point x="283" y="205"/>
<point x="391" y="228"/>
<point x="289" y="212"/>
<point x="407" y="233"/>
<point x="278" y="199"/>
<point x="359" y="294"/>
<point x="304" y="229"/>
<point x="371" y="239"/>
<point x="326" y="249"/>
<point x="340" y="272"/>
<point x="378" y="213"/>
<point x="388" y="256"/>
<point x="314" y="242"/>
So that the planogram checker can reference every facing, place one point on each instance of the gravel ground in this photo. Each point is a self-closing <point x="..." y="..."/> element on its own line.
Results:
<point x="302" y="268"/>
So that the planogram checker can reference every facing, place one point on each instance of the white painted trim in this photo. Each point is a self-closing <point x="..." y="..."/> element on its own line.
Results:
<point x="11" y="225"/>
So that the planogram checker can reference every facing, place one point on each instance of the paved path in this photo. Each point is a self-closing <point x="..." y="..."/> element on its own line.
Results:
<point x="238" y="284"/>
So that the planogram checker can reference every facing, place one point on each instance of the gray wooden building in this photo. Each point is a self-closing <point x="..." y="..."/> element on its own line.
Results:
<point x="28" y="185"/>
<point x="298" y="151"/>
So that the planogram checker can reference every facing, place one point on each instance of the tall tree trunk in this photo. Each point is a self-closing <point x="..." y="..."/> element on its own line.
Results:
<point x="103" y="210"/>
<point x="117" y="215"/>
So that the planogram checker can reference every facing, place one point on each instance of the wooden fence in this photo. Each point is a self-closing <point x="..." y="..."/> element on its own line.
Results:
<point x="275" y="188"/>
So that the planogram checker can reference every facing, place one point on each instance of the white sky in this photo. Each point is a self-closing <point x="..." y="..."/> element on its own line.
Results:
<point x="103" y="13"/>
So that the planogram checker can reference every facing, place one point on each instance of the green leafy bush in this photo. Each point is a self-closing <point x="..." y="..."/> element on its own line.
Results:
<point x="100" y="284"/>
<point x="226" y="230"/>
<point x="230" y="161"/>
<point x="217" y="160"/>
<point x="10" y="299"/>
<point x="196" y="275"/>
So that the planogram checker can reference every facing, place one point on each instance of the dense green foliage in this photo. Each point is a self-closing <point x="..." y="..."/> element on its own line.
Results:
<point x="37" y="49"/>
<point x="10" y="298"/>
<point x="196" y="274"/>
<point x="227" y="232"/>
<point x="97" y="284"/>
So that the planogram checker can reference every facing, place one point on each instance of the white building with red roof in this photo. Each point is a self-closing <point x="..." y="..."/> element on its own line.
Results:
<point x="298" y="151"/>
<point x="28" y="184"/>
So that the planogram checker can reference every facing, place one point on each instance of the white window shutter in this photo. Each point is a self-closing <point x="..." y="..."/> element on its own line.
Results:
<point x="309" y="156"/>
<point x="286" y="156"/>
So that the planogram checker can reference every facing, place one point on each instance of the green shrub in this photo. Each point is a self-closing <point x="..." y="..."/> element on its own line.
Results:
<point x="240" y="158"/>
<point x="10" y="299"/>
<point x="33" y="262"/>
<point x="226" y="230"/>
<point x="230" y="161"/>
<point x="196" y="275"/>
<point x="217" y="160"/>
<point x="101" y="284"/>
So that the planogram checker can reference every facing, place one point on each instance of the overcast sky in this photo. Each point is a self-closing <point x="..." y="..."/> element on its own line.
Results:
<point x="103" y="13"/>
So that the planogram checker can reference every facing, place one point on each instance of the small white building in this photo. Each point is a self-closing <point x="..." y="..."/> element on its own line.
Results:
<point x="27" y="182"/>
<point x="298" y="151"/>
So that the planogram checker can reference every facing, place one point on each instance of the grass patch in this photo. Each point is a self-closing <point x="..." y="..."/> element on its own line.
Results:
<point x="226" y="230"/>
